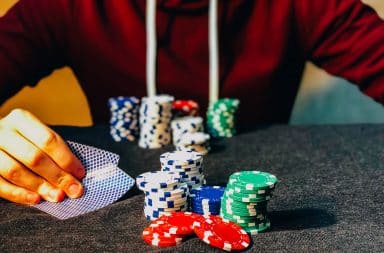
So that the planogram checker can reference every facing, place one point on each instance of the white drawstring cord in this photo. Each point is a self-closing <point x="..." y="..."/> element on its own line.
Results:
<point x="213" y="52"/>
<point x="151" y="47"/>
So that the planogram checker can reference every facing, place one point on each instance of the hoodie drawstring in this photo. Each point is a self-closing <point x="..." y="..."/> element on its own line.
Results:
<point x="213" y="49"/>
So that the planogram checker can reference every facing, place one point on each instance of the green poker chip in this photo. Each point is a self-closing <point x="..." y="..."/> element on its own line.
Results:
<point x="239" y="210"/>
<point x="247" y="199"/>
<point x="253" y="230"/>
<point x="253" y="180"/>
<point x="240" y="189"/>
<point x="230" y="200"/>
<point x="221" y="117"/>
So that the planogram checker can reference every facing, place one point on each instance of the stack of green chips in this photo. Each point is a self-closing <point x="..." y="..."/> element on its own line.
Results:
<point x="221" y="117"/>
<point x="245" y="200"/>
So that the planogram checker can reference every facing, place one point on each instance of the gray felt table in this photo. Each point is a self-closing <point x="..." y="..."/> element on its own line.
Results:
<point x="330" y="195"/>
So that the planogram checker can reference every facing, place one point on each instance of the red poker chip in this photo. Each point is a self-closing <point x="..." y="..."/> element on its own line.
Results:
<point x="186" y="107"/>
<point x="176" y="223"/>
<point x="154" y="237"/>
<point x="221" y="233"/>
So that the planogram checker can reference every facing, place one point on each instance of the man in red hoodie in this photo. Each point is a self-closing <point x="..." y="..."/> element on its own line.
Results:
<point x="263" y="45"/>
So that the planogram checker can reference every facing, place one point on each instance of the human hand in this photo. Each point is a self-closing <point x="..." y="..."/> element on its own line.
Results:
<point x="35" y="162"/>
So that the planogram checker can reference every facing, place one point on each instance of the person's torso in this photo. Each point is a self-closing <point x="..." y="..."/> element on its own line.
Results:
<point x="260" y="60"/>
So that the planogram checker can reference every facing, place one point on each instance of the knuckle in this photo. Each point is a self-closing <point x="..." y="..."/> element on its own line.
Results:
<point x="36" y="158"/>
<point x="49" y="140"/>
<point x="13" y="174"/>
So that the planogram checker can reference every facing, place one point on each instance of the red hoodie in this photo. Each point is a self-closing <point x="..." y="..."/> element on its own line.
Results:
<point x="263" y="47"/>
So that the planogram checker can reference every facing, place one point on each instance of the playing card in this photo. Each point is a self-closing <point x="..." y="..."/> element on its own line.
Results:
<point x="104" y="183"/>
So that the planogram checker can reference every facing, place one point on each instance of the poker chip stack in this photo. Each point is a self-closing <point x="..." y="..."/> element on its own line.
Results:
<point x="124" y="124"/>
<point x="206" y="200"/>
<point x="164" y="193"/>
<point x="185" y="108"/>
<point x="187" y="164"/>
<point x="155" y="118"/>
<point x="245" y="200"/>
<point x="221" y="117"/>
<point x="183" y="125"/>
<point x="198" y="142"/>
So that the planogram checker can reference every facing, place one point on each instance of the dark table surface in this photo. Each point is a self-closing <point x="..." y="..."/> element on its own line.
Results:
<point x="329" y="198"/>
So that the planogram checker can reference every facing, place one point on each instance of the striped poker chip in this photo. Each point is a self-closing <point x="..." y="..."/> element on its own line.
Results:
<point x="154" y="237"/>
<point x="221" y="233"/>
<point x="178" y="159"/>
<point x="158" y="179"/>
<point x="155" y="117"/>
<point x="124" y="124"/>
<point x="221" y="118"/>
<point x="166" y="204"/>
<point x="184" y="125"/>
<point x="185" y="108"/>
<point x="178" y="223"/>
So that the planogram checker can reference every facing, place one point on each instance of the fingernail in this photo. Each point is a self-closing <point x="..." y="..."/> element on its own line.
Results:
<point x="33" y="198"/>
<point x="75" y="190"/>
<point x="56" y="195"/>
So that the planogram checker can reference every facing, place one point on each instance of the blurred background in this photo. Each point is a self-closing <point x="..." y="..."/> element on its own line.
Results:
<point x="322" y="99"/>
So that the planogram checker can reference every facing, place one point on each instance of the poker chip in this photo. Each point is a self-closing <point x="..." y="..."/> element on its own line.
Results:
<point x="245" y="200"/>
<point x="198" y="142"/>
<point x="185" y="108"/>
<point x="206" y="199"/>
<point x="155" y="118"/>
<point x="155" y="237"/>
<point x="158" y="179"/>
<point x="221" y="117"/>
<point x="183" y="125"/>
<point x="221" y="233"/>
<point x="177" y="223"/>
<point x="164" y="193"/>
<point x="124" y="124"/>
<point x="188" y="165"/>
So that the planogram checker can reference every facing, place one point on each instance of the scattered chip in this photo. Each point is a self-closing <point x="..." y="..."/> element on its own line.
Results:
<point x="221" y="233"/>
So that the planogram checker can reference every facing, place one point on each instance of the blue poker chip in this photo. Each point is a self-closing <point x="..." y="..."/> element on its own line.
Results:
<point x="208" y="194"/>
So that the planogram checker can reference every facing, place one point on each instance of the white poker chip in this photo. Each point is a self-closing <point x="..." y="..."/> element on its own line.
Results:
<point x="158" y="179"/>
<point x="194" y="138"/>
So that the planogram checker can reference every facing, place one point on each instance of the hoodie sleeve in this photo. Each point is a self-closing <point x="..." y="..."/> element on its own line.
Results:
<point x="31" y="44"/>
<point x="346" y="38"/>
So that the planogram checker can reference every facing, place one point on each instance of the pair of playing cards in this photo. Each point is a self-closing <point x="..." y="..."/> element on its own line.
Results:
<point x="104" y="183"/>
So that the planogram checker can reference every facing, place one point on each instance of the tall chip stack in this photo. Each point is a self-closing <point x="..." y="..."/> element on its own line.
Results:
<point x="187" y="164"/>
<point x="164" y="193"/>
<point x="183" y="125"/>
<point x="155" y="119"/>
<point x="124" y="124"/>
<point x="245" y="200"/>
<point x="221" y="118"/>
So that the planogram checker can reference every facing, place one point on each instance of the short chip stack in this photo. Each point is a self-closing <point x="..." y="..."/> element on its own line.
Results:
<point x="164" y="193"/>
<point x="185" y="108"/>
<point x="124" y="124"/>
<point x="221" y="118"/>
<point x="245" y="200"/>
<point x="187" y="164"/>
<point x="198" y="142"/>
<point x="206" y="200"/>
<point x="183" y="125"/>
<point x="155" y="118"/>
